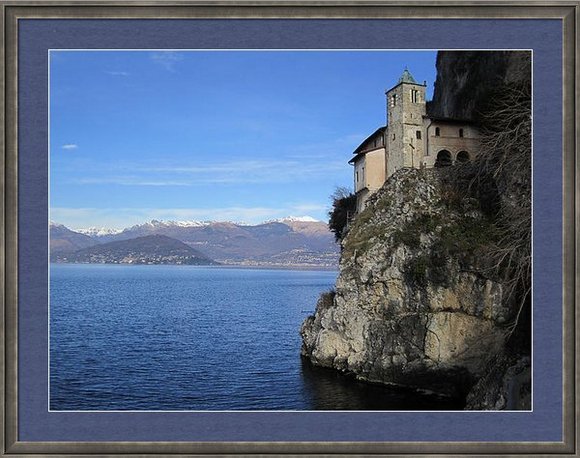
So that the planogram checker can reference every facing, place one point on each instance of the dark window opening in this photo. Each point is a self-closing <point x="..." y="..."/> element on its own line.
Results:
<point x="461" y="132"/>
<point x="414" y="95"/>
<point x="418" y="135"/>
<point x="437" y="131"/>
<point x="443" y="159"/>
<point x="463" y="156"/>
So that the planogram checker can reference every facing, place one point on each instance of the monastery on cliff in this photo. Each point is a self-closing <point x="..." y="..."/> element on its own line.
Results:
<point x="411" y="138"/>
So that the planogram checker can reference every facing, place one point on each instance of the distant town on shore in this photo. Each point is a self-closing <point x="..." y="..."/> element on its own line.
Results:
<point x="300" y="242"/>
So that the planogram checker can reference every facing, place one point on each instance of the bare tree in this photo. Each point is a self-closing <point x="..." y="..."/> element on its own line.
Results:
<point x="500" y="178"/>
<point x="505" y="157"/>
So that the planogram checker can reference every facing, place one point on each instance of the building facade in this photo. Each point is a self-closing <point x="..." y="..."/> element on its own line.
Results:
<point x="411" y="138"/>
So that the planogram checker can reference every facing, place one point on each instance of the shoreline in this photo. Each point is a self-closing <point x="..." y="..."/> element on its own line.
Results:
<point x="220" y="266"/>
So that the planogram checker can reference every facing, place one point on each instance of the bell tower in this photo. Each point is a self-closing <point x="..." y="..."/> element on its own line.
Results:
<point x="406" y="107"/>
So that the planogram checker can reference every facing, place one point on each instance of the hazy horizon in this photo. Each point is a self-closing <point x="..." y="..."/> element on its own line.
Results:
<point x="243" y="136"/>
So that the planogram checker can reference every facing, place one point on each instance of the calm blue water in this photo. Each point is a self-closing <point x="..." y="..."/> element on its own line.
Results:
<point x="194" y="338"/>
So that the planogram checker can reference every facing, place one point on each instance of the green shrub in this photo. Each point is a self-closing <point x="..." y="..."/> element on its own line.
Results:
<point x="343" y="209"/>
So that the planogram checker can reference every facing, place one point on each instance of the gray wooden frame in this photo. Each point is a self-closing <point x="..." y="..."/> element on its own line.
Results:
<point x="12" y="11"/>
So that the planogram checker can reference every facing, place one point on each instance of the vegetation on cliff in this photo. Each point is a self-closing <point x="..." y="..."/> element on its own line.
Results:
<point x="500" y="178"/>
<point x="413" y="303"/>
<point x="435" y="273"/>
<point x="343" y="209"/>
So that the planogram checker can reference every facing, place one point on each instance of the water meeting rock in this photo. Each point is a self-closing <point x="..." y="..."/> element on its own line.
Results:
<point x="415" y="303"/>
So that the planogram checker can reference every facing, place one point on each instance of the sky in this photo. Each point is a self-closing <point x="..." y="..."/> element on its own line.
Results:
<point x="243" y="136"/>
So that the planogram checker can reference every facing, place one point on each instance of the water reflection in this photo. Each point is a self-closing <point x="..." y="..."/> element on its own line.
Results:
<point x="328" y="389"/>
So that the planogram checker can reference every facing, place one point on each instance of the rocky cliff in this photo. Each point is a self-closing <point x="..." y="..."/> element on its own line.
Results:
<point x="422" y="298"/>
<point x="466" y="80"/>
<point x="414" y="303"/>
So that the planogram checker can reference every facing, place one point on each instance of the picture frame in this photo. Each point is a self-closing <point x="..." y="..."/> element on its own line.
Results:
<point x="17" y="254"/>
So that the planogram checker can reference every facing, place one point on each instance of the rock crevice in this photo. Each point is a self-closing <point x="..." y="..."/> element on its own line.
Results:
<point x="415" y="303"/>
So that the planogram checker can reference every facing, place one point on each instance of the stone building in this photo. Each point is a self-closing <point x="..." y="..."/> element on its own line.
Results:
<point x="411" y="138"/>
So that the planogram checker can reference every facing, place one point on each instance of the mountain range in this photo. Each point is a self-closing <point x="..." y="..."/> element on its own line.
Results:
<point x="150" y="249"/>
<point x="292" y="241"/>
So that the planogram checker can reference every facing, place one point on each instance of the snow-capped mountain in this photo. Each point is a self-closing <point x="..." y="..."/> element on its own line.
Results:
<point x="295" y="219"/>
<point x="98" y="231"/>
<point x="287" y="241"/>
<point x="62" y="239"/>
<point x="154" y="223"/>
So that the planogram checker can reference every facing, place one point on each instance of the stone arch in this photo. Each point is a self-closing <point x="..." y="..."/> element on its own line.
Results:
<point x="443" y="159"/>
<point x="462" y="157"/>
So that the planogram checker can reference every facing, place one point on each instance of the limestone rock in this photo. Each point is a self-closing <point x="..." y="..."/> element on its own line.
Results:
<point x="414" y="303"/>
<point x="506" y="385"/>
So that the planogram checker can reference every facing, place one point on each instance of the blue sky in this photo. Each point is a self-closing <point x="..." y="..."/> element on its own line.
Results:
<point x="205" y="135"/>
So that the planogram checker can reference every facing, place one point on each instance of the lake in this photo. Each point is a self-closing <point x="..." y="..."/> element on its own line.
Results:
<point x="196" y="338"/>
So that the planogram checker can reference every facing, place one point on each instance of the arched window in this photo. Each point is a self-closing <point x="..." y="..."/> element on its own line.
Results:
<point x="437" y="131"/>
<point x="414" y="95"/>
<point x="394" y="100"/>
<point x="463" y="156"/>
<point x="461" y="132"/>
<point x="443" y="159"/>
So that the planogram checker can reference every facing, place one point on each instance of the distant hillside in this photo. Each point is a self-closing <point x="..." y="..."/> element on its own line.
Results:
<point x="63" y="240"/>
<point x="151" y="249"/>
<point x="285" y="242"/>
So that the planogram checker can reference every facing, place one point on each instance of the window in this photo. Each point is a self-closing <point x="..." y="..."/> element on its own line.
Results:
<point x="463" y="156"/>
<point x="356" y="177"/>
<point x="394" y="100"/>
<point x="393" y="136"/>
<point x="418" y="135"/>
<point x="414" y="95"/>
<point x="443" y="159"/>
<point x="461" y="132"/>
<point x="437" y="132"/>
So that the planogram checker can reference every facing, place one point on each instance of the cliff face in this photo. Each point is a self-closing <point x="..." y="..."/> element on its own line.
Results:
<point x="419" y="300"/>
<point x="466" y="80"/>
<point x="414" y="304"/>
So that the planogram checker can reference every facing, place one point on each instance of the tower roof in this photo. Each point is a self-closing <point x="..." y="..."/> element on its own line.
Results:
<point x="406" y="77"/>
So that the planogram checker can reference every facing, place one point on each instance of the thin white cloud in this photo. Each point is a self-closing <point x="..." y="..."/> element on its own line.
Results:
<point x="226" y="173"/>
<point x="69" y="146"/>
<point x="130" y="181"/>
<point x="256" y="171"/>
<point x="167" y="59"/>
<point x="117" y="73"/>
